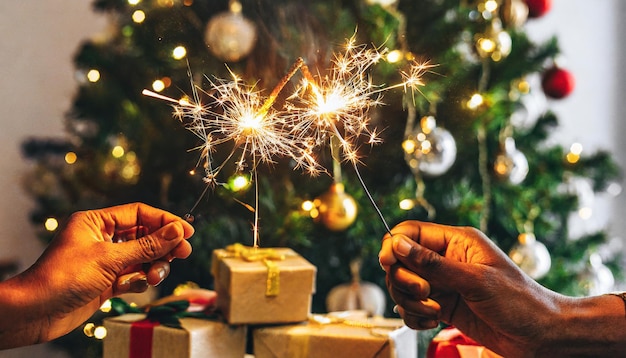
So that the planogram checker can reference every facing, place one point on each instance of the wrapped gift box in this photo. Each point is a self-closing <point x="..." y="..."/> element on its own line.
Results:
<point x="259" y="286"/>
<point x="374" y="338"/>
<point x="132" y="336"/>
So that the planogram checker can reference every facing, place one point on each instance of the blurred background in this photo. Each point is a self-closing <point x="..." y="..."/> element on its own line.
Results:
<point x="38" y="80"/>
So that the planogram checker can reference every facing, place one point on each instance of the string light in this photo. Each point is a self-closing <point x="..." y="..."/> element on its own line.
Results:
<point x="158" y="86"/>
<point x="138" y="16"/>
<point x="573" y="156"/>
<point x="179" y="52"/>
<point x="70" y="157"/>
<point x="117" y="151"/>
<point x="475" y="101"/>
<point x="93" y="75"/>
<point x="51" y="224"/>
<point x="133" y="2"/>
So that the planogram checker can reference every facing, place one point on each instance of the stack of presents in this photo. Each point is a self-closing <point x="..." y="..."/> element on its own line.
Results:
<point x="262" y="310"/>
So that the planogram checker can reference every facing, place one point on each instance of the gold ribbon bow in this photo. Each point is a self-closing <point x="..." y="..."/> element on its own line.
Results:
<point x="267" y="255"/>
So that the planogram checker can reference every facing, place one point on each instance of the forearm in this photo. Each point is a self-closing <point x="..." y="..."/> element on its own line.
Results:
<point x="592" y="326"/>
<point x="22" y="320"/>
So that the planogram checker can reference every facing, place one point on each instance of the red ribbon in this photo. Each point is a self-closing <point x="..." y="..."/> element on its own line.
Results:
<point x="141" y="338"/>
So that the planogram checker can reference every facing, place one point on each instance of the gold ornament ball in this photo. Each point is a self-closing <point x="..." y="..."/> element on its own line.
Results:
<point x="230" y="36"/>
<point x="337" y="210"/>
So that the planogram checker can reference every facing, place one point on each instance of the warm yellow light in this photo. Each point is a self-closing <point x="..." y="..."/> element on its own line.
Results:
<point x="394" y="56"/>
<point x="240" y="182"/>
<point x="179" y="52"/>
<point x="106" y="306"/>
<point x="572" y="158"/>
<point x="409" y="146"/>
<point x="133" y="2"/>
<point x="93" y="75"/>
<point x="307" y="205"/>
<point x="117" y="151"/>
<point x="426" y="147"/>
<point x="476" y="101"/>
<point x="407" y="204"/>
<point x="158" y="86"/>
<point x="70" y="157"/>
<point x="139" y="16"/>
<point x="100" y="332"/>
<point x="88" y="329"/>
<point x="251" y="122"/>
<point x="491" y="5"/>
<point x="486" y="45"/>
<point x="192" y="172"/>
<point x="51" y="224"/>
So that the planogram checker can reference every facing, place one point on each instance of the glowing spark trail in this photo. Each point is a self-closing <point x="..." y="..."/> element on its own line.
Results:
<point x="333" y="105"/>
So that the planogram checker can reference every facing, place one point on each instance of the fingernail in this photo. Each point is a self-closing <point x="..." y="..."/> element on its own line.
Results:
<point x="138" y="285"/>
<point x="403" y="246"/>
<point x="162" y="273"/>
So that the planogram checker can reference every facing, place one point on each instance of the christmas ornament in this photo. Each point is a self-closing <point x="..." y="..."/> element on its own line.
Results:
<point x="495" y="43"/>
<point x="357" y="295"/>
<point x="557" y="83"/>
<point x="229" y="35"/>
<point x="531" y="105"/>
<point x="538" y="8"/>
<point x="336" y="209"/>
<point x="514" y="13"/>
<point x="430" y="150"/>
<point x="597" y="279"/>
<point x="511" y="164"/>
<point x="531" y="256"/>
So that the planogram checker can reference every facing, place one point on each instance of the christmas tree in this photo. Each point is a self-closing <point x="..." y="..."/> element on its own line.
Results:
<point x="465" y="147"/>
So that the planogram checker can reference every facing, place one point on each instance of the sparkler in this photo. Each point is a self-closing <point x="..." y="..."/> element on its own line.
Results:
<point x="337" y="105"/>
<point x="240" y="115"/>
<point x="331" y="106"/>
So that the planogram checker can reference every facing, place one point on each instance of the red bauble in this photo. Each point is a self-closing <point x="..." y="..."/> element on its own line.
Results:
<point x="538" y="8"/>
<point x="557" y="83"/>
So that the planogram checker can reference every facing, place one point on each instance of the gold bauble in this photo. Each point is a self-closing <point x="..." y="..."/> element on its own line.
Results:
<point x="337" y="210"/>
<point x="514" y="13"/>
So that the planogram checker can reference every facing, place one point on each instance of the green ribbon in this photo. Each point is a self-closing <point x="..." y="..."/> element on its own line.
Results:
<point x="167" y="314"/>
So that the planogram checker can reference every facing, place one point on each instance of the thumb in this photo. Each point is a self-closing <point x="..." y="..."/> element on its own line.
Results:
<point x="152" y="246"/>
<point x="438" y="270"/>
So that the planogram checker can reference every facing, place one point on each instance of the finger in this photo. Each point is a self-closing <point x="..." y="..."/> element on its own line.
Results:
<point x="431" y="266"/>
<point x="181" y="251"/>
<point x="416" y="320"/>
<point x="157" y="272"/>
<point x="129" y="216"/>
<point x="408" y="282"/>
<point x="150" y="247"/>
<point x="386" y="257"/>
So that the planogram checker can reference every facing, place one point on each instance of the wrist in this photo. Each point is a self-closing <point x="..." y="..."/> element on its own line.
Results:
<point x="593" y="326"/>
<point x="23" y="318"/>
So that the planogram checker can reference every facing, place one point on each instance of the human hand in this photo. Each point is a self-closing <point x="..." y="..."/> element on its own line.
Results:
<point x="458" y="276"/>
<point x="99" y="254"/>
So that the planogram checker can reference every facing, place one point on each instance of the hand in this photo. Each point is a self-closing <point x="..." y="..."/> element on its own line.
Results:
<point x="458" y="276"/>
<point x="98" y="254"/>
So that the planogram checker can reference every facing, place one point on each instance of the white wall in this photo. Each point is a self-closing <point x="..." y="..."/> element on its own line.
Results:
<point x="39" y="39"/>
<point x="591" y="39"/>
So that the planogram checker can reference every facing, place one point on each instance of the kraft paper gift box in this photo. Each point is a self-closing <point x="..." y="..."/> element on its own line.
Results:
<point x="373" y="338"/>
<point x="133" y="336"/>
<point x="262" y="285"/>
